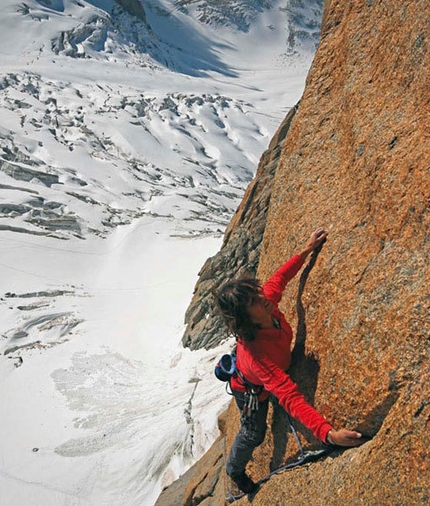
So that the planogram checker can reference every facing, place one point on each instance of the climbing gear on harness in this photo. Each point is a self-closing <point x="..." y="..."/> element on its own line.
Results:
<point x="251" y="403"/>
<point x="251" y="396"/>
<point x="225" y="369"/>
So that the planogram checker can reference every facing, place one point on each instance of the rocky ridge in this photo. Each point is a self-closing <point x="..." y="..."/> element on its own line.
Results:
<point x="240" y="252"/>
<point x="355" y="161"/>
<point x="302" y="16"/>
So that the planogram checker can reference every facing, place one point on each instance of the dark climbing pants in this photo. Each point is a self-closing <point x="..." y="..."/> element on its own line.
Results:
<point x="250" y="435"/>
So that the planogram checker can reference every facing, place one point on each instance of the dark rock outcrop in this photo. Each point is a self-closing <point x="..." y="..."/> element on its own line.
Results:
<point x="133" y="7"/>
<point x="356" y="161"/>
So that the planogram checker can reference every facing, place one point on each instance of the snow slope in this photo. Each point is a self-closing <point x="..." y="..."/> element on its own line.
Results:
<point x="125" y="147"/>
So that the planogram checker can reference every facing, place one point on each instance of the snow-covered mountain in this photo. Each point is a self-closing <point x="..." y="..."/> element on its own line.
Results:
<point x="126" y="143"/>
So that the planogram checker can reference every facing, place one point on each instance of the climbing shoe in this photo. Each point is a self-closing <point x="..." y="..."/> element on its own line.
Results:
<point x="245" y="484"/>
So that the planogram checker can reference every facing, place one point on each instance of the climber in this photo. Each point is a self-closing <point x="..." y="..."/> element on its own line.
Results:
<point x="263" y="354"/>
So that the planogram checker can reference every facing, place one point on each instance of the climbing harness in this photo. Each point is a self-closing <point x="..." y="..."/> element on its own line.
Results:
<point x="305" y="456"/>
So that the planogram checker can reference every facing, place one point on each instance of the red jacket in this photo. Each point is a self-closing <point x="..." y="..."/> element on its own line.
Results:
<point x="265" y="360"/>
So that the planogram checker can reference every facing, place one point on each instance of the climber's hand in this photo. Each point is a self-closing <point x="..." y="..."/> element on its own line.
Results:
<point x="317" y="238"/>
<point x="344" y="437"/>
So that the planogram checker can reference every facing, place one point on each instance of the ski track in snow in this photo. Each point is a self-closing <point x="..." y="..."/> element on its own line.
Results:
<point x="125" y="147"/>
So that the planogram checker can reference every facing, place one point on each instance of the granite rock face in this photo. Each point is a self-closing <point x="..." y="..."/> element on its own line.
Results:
<point x="356" y="160"/>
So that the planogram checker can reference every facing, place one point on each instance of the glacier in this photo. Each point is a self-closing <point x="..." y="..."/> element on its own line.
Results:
<point x="126" y="144"/>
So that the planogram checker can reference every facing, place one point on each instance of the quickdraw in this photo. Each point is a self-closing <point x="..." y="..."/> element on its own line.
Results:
<point x="251" y="404"/>
<point x="251" y="397"/>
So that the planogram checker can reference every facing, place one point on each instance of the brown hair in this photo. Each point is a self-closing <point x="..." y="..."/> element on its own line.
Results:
<point x="232" y="300"/>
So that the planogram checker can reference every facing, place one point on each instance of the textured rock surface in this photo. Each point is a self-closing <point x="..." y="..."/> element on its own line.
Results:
<point x="356" y="160"/>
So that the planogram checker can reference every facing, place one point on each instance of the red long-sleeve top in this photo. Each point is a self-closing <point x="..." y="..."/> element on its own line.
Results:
<point x="265" y="360"/>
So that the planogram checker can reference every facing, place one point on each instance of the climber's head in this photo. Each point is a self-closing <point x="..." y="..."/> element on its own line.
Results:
<point x="238" y="302"/>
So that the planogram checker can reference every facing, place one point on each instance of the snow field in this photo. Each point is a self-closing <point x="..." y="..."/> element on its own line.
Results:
<point x="121" y="373"/>
<point x="125" y="147"/>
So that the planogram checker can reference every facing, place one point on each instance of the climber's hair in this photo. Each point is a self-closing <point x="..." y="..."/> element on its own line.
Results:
<point x="232" y="300"/>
